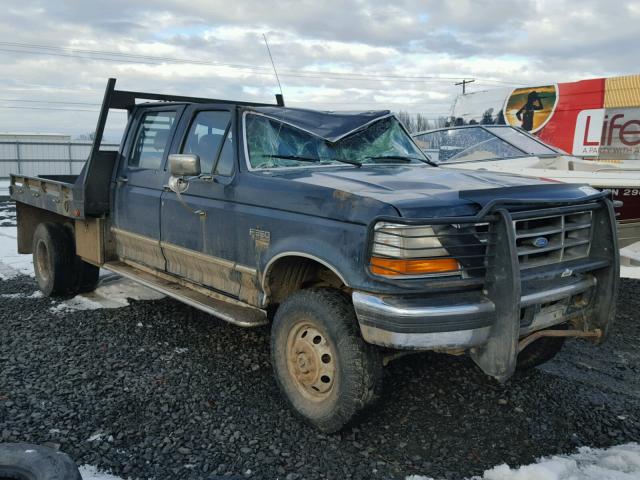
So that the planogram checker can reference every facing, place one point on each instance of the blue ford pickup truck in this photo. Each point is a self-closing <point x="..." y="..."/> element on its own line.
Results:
<point x="334" y="228"/>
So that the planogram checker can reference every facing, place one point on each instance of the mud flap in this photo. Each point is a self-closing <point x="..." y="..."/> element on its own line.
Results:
<point x="498" y="356"/>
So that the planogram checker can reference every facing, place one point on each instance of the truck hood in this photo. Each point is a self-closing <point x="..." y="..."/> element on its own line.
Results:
<point x="424" y="191"/>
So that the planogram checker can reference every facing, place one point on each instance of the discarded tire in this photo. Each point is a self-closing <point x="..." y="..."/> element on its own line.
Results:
<point x="23" y="461"/>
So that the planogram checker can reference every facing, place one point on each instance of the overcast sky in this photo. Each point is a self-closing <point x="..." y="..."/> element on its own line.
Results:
<point x="337" y="55"/>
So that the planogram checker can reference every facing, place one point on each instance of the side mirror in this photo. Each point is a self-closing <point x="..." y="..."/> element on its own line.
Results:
<point x="184" y="165"/>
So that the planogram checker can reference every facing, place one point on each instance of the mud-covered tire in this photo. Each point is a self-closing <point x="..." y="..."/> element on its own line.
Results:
<point x="54" y="259"/>
<point x="316" y="331"/>
<point x="22" y="461"/>
<point x="539" y="352"/>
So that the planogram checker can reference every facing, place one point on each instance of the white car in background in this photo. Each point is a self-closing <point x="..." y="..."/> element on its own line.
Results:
<point x="502" y="148"/>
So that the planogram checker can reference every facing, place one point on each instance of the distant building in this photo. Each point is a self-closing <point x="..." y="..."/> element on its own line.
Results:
<point x="34" y="137"/>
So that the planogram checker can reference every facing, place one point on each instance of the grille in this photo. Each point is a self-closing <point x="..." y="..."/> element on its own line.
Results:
<point x="553" y="239"/>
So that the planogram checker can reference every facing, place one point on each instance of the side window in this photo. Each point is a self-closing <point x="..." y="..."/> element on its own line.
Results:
<point x="225" y="162"/>
<point x="152" y="140"/>
<point x="205" y="136"/>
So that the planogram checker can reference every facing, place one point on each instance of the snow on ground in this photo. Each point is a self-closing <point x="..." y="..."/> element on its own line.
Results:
<point x="79" y="302"/>
<point x="11" y="262"/>
<point x="630" y="261"/>
<point x="631" y="254"/>
<point x="112" y="292"/>
<point x="629" y="272"/>
<point x="621" y="462"/>
<point x="7" y="216"/>
<point x="36" y="294"/>
<point x="89" y="472"/>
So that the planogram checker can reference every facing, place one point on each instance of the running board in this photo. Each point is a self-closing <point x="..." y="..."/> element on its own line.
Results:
<point x="241" y="315"/>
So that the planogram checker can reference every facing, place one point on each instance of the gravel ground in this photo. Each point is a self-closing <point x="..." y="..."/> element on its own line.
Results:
<point x="159" y="390"/>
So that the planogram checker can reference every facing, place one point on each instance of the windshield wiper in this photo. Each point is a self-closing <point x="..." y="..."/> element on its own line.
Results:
<point x="404" y="158"/>
<point x="315" y="160"/>
<point x="293" y="157"/>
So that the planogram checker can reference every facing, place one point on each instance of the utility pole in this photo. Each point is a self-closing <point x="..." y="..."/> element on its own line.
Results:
<point x="464" y="84"/>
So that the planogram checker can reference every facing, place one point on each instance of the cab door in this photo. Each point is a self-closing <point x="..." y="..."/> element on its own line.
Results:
<point x="198" y="234"/>
<point x="139" y="183"/>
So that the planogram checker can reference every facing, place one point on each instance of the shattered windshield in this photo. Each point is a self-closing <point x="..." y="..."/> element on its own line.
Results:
<point x="273" y="144"/>
<point x="470" y="144"/>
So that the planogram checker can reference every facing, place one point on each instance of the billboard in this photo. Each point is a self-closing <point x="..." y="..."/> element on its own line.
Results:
<point x="531" y="108"/>
<point x="596" y="119"/>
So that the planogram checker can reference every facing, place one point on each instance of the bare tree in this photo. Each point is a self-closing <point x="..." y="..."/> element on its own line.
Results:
<point x="87" y="137"/>
<point x="422" y="123"/>
<point x="407" y="120"/>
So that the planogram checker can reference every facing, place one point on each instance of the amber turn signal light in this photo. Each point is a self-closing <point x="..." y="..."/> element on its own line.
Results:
<point x="394" y="266"/>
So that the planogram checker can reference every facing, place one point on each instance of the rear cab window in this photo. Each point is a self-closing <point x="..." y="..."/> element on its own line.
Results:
<point x="152" y="140"/>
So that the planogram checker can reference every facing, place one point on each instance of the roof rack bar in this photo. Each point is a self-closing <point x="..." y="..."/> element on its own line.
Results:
<point x="181" y="98"/>
<point x="126" y="100"/>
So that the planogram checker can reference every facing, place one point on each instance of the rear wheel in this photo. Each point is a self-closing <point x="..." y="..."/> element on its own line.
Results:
<point x="327" y="373"/>
<point x="54" y="259"/>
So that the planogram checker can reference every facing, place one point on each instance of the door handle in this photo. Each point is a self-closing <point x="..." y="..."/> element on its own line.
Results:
<point x="122" y="179"/>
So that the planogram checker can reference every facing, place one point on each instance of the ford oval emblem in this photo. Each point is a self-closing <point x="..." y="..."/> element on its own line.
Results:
<point x="541" y="242"/>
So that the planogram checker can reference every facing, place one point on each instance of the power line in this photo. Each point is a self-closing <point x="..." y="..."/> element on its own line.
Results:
<point x="75" y="110"/>
<point x="363" y="102"/>
<point x="47" y="101"/>
<point x="371" y="103"/>
<point x="129" y="55"/>
<point x="157" y="60"/>
<point x="301" y="74"/>
<point x="22" y="107"/>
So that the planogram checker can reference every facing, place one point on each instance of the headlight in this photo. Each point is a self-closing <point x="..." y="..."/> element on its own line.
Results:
<point x="402" y="250"/>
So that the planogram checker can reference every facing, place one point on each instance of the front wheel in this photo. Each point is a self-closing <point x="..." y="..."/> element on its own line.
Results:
<point x="325" y="370"/>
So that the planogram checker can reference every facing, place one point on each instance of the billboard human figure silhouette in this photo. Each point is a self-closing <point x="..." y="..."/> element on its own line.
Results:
<point x="525" y="114"/>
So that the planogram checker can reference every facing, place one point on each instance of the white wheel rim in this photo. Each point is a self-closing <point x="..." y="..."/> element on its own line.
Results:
<point x="311" y="361"/>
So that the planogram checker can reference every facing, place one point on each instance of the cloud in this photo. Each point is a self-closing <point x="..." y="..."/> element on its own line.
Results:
<point x="381" y="45"/>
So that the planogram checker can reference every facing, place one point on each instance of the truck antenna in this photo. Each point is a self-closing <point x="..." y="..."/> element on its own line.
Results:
<point x="280" y="96"/>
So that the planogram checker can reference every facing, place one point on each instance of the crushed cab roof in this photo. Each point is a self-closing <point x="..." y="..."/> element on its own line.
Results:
<point x="331" y="126"/>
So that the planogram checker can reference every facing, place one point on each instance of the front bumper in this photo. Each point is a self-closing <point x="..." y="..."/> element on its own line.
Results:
<point x="461" y="321"/>
<point x="515" y="298"/>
